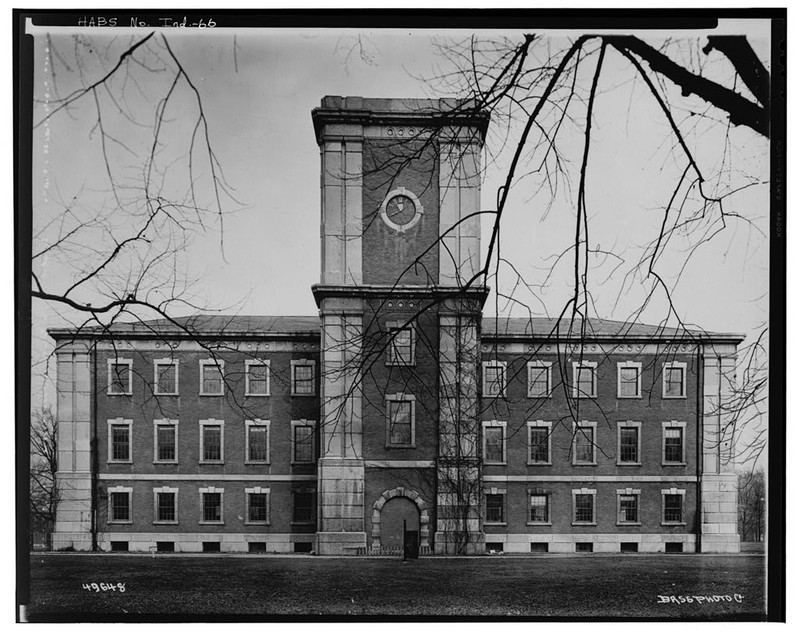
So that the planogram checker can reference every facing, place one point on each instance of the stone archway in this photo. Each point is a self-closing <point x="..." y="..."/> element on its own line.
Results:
<point x="424" y="518"/>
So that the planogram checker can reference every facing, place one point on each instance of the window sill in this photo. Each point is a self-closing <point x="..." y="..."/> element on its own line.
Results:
<point x="673" y="398"/>
<point x="584" y="464"/>
<point x="304" y="463"/>
<point x="396" y="364"/>
<point x="119" y="393"/>
<point x="495" y="464"/>
<point x="540" y="464"/>
<point x="211" y="523"/>
<point x="629" y="523"/>
<point x="584" y="523"/>
<point x="629" y="464"/>
<point x="165" y="462"/>
<point x="673" y="464"/>
<point x="120" y="462"/>
<point x="539" y="523"/>
<point x="619" y="396"/>
<point x="259" y="462"/>
<point x="304" y="523"/>
<point x="495" y="523"/>
<point x="211" y="462"/>
<point x="125" y="522"/>
<point x="166" y="394"/>
<point x="256" y="523"/>
<point x="673" y="523"/>
<point x="166" y="523"/>
<point x="414" y="446"/>
<point x="249" y="395"/>
<point x="218" y="394"/>
<point x="296" y="394"/>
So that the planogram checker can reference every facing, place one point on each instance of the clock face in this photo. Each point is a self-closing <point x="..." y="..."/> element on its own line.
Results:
<point x="401" y="210"/>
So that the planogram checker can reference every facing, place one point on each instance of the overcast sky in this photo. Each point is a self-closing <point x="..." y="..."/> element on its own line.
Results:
<point x="258" y="92"/>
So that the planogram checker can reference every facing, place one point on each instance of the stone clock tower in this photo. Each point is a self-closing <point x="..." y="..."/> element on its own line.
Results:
<point x="400" y="312"/>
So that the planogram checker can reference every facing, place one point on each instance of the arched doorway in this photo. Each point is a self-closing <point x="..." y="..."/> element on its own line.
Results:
<point x="394" y="513"/>
<point x="421" y="517"/>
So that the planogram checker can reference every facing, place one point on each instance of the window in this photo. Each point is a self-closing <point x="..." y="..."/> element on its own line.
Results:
<point x="303" y="377"/>
<point x="211" y="377"/>
<point x="674" y="380"/>
<point x="494" y="378"/>
<point x="672" y="503"/>
<point x="212" y="441"/>
<point x="584" y="375"/>
<point x="401" y="348"/>
<point x="400" y="420"/>
<point x="494" y="442"/>
<point x="540" y="379"/>
<point x="257" y="441"/>
<point x="584" y="547"/>
<point x="257" y="506"/>
<point x="211" y="505"/>
<point x="302" y="441"/>
<point x="165" y="440"/>
<point x="539" y="442"/>
<point x="583" y="506"/>
<point x="628" y="443"/>
<point x="540" y="507"/>
<point x="119" y="440"/>
<point x="629" y="380"/>
<point x="673" y="433"/>
<point x="583" y="446"/>
<point x="628" y="506"/>
<point x="303" y="507"/>
<point x="495" y="502"/>
<point x="119" y="505"/>
<point x="120" y="376"/>
<point x="256" y="378"/>
<point x="166" y="505"/>
<point x="166" y="376"/>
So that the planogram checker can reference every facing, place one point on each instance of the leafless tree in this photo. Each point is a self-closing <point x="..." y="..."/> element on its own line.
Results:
<point x="752" y="505"/>
<point x="44" y="490"/>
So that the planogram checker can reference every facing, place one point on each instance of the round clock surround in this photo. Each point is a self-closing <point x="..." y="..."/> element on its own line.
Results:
<point x="396" y="200"/>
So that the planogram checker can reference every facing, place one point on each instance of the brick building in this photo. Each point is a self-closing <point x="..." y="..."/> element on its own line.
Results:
<point x="399" y="404"/>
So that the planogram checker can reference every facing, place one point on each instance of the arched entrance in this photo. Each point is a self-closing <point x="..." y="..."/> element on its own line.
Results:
<point x="394" y="513"/>
<point x="410" y="506"/>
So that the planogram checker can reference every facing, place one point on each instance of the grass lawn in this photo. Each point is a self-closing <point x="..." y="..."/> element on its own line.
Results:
<point x="594" y="586"/>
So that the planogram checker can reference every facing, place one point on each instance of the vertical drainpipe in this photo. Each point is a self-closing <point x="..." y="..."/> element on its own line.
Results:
<point x="699" y="446"/>
<point x="93" y="442"/>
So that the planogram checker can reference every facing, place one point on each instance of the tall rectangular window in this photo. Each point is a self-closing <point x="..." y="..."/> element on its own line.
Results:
<point x="400" y="350"/>
<point x="303" y="377"/>
<point x="628" y="508"/>
<point x="257" y="441"/>
<point x="256" y="378"/>
<point x="628" y="449"/>
<point x="166" y="376"/>
<point x="584" y="444"/>
<point x="540" y="508"/>
<point x="629" y="380"/>
<point x="211" y="441"/>
<point x="584" y="379"/>
<point x="400" y="420"/>
<point x="119" y="440"/>
<point x="583" y="502"/>
<point x="302" y="442"/>
<point x="673" y="443"/>
<point x="120" y="376"/>
<point x="166" y="441"/>
<point x="539" y="442"/>
<point x="494" y="442"/>
<point x="119" y="502"/>
<point x="673" y="506"/>
<point x="257" y="506"/>
<point x="494" y="378"/>
<point x="303" y="507"/>
<point x="211" y="500"/>
<point x="211" y="378"/>
<point x="166" y="503"/>
<point x="539" y="379"/>
<point x="495" y="508"/>
<point x="674" y="378"/>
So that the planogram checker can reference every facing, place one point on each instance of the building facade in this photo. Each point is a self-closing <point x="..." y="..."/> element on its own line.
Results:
<point x="399" y="406"/>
